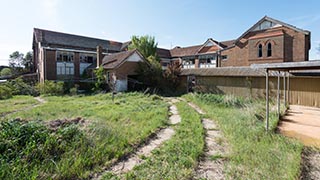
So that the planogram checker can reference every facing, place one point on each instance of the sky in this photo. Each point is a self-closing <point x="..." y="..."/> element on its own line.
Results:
<point x="172" y="22"/>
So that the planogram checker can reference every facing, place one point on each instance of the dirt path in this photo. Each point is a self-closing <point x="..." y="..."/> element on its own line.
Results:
<point x="211" y="165"/>
<point x="311" y="164"/>
<point x="145" y="151"/>
<point x="39" y="99"/>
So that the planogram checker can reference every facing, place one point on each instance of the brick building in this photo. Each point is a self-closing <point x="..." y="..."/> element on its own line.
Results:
<point x="61" y="56"/>
<point x="267" y="41"/>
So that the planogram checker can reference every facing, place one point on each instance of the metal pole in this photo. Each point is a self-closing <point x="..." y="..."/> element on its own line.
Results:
<point x="288" y="96"/>
<point x="278" y="93"/>
<point x="284" y="89"/>
<point x="267" y="99"/>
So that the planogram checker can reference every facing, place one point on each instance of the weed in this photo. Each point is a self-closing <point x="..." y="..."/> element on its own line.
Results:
<point x="255" y="154"/>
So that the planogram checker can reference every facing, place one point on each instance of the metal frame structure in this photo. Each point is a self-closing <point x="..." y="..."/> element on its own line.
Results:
<point x="285" y="68"/>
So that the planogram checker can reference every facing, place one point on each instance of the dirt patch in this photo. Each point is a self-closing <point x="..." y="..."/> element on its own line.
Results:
<point x="211" y="164"/>
<point x="310" y="164"/>
<point x="134" y="160"/>
<point x="56" y="124"/>
<point x="40" y="100"/>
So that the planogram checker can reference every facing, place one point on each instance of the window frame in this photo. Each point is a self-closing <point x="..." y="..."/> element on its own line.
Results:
<point x="269" y="49"/>
<point x="260" y="52"/>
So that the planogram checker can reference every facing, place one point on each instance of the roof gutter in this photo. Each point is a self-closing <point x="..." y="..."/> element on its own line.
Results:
<point x="72" y="50"/>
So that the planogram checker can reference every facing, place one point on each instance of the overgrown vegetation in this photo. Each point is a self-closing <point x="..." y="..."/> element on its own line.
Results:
<point x="111" y="130"/>
<point x="178" y="157"/>
<point x="17" y="87"/>
<point x="151" y="73"/>
<point x="51" y="88"/>
<point x="30" y="150"/>
<point x="255" y="154"/>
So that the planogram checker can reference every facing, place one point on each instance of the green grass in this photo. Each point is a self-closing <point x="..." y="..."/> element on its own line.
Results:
<point x="178" y="157"/>
<point x="16" y="103"/>
<point x="112" y="131"/>
<point x="255" y="154"/>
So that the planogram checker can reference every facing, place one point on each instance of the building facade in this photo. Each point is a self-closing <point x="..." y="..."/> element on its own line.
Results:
<point x="61" y="56"/>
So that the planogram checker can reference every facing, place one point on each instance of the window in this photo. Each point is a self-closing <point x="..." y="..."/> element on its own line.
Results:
<point x="64" y="56"/>
<point x="88" y="58"/>
<point x="65" y="65"/>
<point x="260" y="50"/>
<point x="224" y="57"/>
<point x="269" y="50"/>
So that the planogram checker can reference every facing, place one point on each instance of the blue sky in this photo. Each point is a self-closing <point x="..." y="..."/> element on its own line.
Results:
<point x="172" y="22"/>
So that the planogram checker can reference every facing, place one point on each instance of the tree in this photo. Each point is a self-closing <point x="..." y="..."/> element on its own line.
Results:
<point x="146" y="45"/>
<point x="28" y="61"/>
<point x="16" y="60"/>
<point x="20" y="63"/>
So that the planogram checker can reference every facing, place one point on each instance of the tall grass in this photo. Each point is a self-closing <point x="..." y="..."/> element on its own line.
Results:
<point x="255" y="153"/>
<point x="111" y="130"/>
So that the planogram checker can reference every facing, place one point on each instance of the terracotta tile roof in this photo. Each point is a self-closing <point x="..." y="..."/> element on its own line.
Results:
<point x="52" y="38"/>
<point x="226" y="44"/>
<point x="113" y="60"/>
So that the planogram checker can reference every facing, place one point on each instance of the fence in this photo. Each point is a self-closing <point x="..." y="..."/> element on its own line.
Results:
<point x="302" y="90"/>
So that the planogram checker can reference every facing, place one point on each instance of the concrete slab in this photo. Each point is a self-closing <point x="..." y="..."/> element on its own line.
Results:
<point x="302" y="123"/>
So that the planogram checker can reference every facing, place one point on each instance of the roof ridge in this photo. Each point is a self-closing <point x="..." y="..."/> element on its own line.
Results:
<point x="58" y="32"/>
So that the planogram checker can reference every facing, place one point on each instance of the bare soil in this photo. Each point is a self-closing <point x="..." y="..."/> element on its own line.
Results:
<point x="310" y="164"/>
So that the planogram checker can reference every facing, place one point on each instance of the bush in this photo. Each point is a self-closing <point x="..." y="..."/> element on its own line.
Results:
<point x="19" y="87"/>
<point x="6" y="72"/>
<point x="51" y="88"/>
<point x="5" y="92"/>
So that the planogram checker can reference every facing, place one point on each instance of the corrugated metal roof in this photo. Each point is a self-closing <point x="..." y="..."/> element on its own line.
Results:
<point x="226" y="71"/>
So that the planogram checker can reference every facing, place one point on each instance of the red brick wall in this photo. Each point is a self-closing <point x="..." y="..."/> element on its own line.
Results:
<point x="50" y="65"/>
<point x="287" y="45"/>
<point x="127" y="68"/>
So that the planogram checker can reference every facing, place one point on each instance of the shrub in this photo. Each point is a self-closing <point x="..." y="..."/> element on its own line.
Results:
<point x="6" y="72"/>
<point x="19" y="87"/>
<point x="5" y="92"/>
<point x="51" y="88"/>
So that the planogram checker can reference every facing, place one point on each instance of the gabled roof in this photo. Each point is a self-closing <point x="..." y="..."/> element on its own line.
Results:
<point x="227" y="44"/>
<point x="52" y="38"/>
<point x="115" y="60"/>
<point x="266" y="18"/>
<point x="214" y="43"/>
<point x="163" y="53"/>
<point x="184" y="51"/>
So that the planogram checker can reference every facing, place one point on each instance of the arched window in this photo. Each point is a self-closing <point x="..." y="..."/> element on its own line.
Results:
<point x="260" y="50"/>
<point x="269" y="50"/>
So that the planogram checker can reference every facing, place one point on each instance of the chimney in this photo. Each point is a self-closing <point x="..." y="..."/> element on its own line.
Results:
<point x="99" y="56"/>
